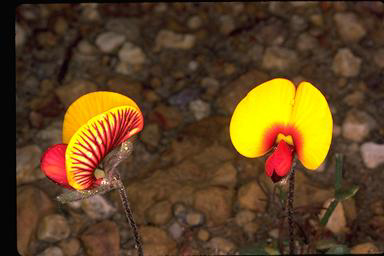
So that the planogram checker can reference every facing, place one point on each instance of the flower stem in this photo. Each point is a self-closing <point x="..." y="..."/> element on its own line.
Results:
<point x="291" y="190"/>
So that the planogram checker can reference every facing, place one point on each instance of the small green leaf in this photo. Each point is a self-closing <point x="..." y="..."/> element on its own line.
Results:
<point x="339" y="171"/>
<point x="338" y="249"/>
<point x="345" y="193"/>
<point x="328" y="213"/>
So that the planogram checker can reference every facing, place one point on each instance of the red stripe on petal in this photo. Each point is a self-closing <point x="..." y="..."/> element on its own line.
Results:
<point x="52" y="164"/>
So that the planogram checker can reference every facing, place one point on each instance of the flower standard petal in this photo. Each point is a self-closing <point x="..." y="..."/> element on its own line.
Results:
<point x="95" y="139"/>
<point x="261" y="116"/>
<point x="312" y="118"/>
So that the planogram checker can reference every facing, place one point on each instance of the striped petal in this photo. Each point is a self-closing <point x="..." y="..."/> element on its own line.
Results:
<point x="312" y="118"/>
<point x="261" y="116"/>
<point x="53" y="164"/>
<point x="95" y="139"/>
<point x="88" y="106"/>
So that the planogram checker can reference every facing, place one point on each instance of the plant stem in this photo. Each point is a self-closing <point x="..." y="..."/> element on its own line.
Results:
<point x="129" y="216"/>
<point x="291" y="190"/>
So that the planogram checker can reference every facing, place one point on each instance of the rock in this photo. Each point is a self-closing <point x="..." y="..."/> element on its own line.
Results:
<point x="132" y="54"/>
<point x="86" y="48"/>
<point x="183" y="97"/>
<point x="28" y="164"/>
<point x="203" y="235"/>
<point x="256" y="52"/>
<point x="215" y="203"/>
<point x="226" y="175"/>
<point x="297" y="23"/>
<point x="337" y="223"/>
<point x="20" y="35"/>
<point x="151" y="135"/>
<point x="127" y="87"/>
<point x="70" y="246"/>
<point x="244" y="217"/>
<point x="194" y="218"/>
<point x="250" y="196"/>
<point x="364" y="248"/>
<point x="53" y="228"/>
<point x="378" y="58"/>
<point x="73" y="90"/>
<point x="194" y="22"/>
<point x="227" y="24"/>
<point x="36" y="119"/>
<point x="32" y="204"/>
<point x="52" y="251"/>
<point x="306" y="42"/>
<point x="238" y="89"/>
<point x="101" y="239"/>
<point x="160" y="213"/>
<point x="109" y="41"/>
<point x="377" y="207"/>
<point x="47" y="39"/>
<point x="221" y="246"/>
<point x="279" y="58"/>
<point x="97" y="207"/>
<point x="200" y="109"/>
<point x="349" y="27"/>
<point x="211" y="87"/>
<point x="354" y="99"/>
<point x="50" y="135"/>
<point x="357" y="125"/>
<point x="60" y="26"/>
<point x="90" y="12"/>
<point x="156" y="241"/>
<point x="167" y="117"/>
<point x="176" y="230"/>
<point x="373" y="154"/>
<point x="125" y="26"/>
<point x="172" y="40"/>
<point x="346" y="64"/>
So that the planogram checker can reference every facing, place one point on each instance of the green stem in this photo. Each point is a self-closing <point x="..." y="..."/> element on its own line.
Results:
<point x="291" y="190"/>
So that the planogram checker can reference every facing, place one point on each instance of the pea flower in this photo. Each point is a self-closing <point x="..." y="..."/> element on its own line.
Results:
<point x="276" y="115"/>
<point x="94" y="125"/>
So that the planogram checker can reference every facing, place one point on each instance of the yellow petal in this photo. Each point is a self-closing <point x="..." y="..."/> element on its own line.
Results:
<point x="312" y="118"/>
<point x="88" y="106"/>
<point x="261" y="116"/>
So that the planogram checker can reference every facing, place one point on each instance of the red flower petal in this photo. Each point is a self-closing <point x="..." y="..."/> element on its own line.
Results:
<point x="280" y="161"/>
<point x="53" y="164"/>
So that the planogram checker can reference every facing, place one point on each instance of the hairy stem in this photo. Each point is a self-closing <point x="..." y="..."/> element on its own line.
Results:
<point x="291" y="190"/>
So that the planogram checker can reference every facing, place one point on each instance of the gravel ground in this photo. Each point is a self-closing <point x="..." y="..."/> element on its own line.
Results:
<point x="187" y="65"/>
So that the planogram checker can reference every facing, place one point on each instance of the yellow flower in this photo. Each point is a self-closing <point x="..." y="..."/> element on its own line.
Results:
<point x="276" y="112"/>
<point x="93" y="125"/>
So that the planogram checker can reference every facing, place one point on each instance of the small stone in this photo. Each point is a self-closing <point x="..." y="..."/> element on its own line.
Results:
<point x="244" y="217"/>
<point x="306" y="42"/>
<point x="97" y="207"/>
<point x="346" y="64"/>
<point x="127" y="87"/>
<point x="86" y="48"/>
<point x="47" y="39"/>
<point x="194" y="218"/>
<point x="132" y="54"/>
<point x="221" y="246"/>
<point x="194" y="22"/>
<point x="251" y="196"/>
<point x="168" y="117"/>
<point x="349" y="27"/>
<point x="170" y="39"/>
<point x="160" y="213"/>
<point x="61" y="26"/>
<point x="373" y="154"/>
<point x="28" y="164"/>
<point x="378" y="57"/>
<point x="354" y="99"/>
<point x="176" y="230"/>
<point x="101" y="239"/>
<point x="193" y="65"/>
<point x="109" y="41"/>
<point x="50" y="135"/>
<point x="156" y="241"/>
<point x="377" y="207"/>
<point x="226" y="175"/>
<point x="200" y="109"/>
<point x="68" y="93"/>
<point x="357" y="125"/>
<point x="52" y="251"/>
<point x="317" y="20"/>
<point x="274" y="233"/>
<point x="70" y="247"/>
<point x="298" y="23"/>
<point x="151" y="135"/>
<point x="365" y="248"/>
<point x="256" y="52"/>
<point x="203" y="235"/>
<point x="89" y="11"/>
<point x="337" y="223"/>
<point x="227" y="24"/>
<point x="53" y="228"/>
<point x="279" y="58"/>
<point x="20" y="35"/>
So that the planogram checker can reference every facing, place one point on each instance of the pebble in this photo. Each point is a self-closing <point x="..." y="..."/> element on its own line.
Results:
<point x="365" y="248"/>
<point x="255" y="52"/>
<point x="52" y="251"/>
<point x="53" y="228"/>
<point x="97" y="207"/>
<point x="244" y="217"/>
<point x="225" y="175"/>
<point x="71" y="91"/>
<point x="203" y="235"/>
<point x="86" y="48"/>
<point x="251" y="197"/>
<point x="221" y="246"/>
<point x="298" y="23"/>
<point x="337" y="223"/>
<point x="60" y="26"/>
<point x="160" y="213"/>
<point x="151" y="135"/>
<point x="70" y="246"/>
<point x="354" y="99"/>
<point x="200" y="109"/>
<point x="172" y="40"/>
<point x="357" y="125"/>
<point x="90" y="12"/>
<point x="20" y="35"/>
<point x="378" y="58"/>
<point x="28" y="164"/>
<point x="227" y="24"/>
<point x="349" y="27"/>
<point x="50" y="135"/>
<point x="194" y="218"/>
<point x="101" y="239"/>
<point x="373" y="154"/>
<point x="194" y="22"/>
<point x="176" y="230"/>
<point x="279" y="58"/>
<point x="132" y="54"/>
<point x="346" y="64"/>
<point x="306" y="42"/>
<point x="156" y="241"/>
<point x="108" y="42"/>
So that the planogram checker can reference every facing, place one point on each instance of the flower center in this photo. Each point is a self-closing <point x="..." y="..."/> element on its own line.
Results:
<point x="279" y="163"/>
